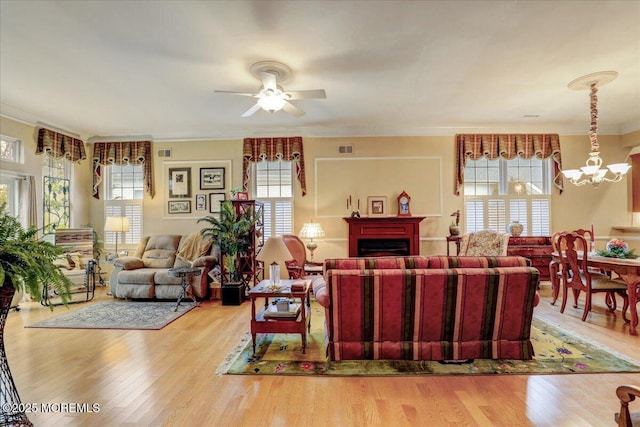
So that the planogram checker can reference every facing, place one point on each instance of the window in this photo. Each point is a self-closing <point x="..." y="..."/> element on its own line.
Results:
<point x="9" y="190"/>
<point x="124" y="189"/>
<point x="56" y="195"/>
<point x="274" y="188"/>
<point x="497" y="192"/>
<point x="10" y="149"/>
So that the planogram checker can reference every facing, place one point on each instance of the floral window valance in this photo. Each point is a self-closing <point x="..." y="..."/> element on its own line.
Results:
<point x="58" y="145"/>
<point x="273" y="149"/>
<point x="123" y="153"/>
<point x="507" y="146"/>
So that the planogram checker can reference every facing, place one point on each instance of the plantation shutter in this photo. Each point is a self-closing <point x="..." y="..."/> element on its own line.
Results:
<point x="475" y="215"/>
<point x="540" y="224"/>
<point x="131" y="209"/>
<point x="496" y="214"/>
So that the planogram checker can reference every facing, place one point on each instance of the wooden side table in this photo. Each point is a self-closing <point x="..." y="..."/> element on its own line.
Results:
<point x="299" y="323"/>
<point x="456" y="240"/>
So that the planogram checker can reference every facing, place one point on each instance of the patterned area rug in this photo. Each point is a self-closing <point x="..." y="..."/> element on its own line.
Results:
<point x="118" y="315"/>
<point x="556" y="352"/>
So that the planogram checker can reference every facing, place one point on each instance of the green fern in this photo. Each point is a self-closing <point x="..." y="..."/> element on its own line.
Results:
<point x="26" y="262"/>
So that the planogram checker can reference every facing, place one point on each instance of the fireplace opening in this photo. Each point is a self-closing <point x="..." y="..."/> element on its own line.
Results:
<point x="383" y="247"/>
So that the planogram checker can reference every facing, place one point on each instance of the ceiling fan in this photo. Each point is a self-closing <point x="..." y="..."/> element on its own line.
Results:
<point x="271" y="96"/>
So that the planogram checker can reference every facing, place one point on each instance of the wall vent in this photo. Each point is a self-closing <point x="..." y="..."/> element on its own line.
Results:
<point x="345" y="149"/>
<point x="164" y="153"/>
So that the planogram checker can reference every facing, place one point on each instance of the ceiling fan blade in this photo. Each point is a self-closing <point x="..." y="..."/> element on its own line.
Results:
<point x="292" y="109"/>
<point x="269" y="81"/>
<point x="306" y="94"/>
<point x="251" y="110"/>
<point x="236" y="93"/>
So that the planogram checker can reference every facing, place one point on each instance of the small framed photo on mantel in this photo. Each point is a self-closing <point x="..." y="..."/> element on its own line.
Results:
<point x="377" y="206"/>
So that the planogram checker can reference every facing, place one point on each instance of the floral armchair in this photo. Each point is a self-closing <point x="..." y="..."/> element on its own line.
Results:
<point x="484" y="243"/>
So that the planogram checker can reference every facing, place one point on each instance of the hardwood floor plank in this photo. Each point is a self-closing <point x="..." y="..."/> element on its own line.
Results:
<point x="167" y="378"/>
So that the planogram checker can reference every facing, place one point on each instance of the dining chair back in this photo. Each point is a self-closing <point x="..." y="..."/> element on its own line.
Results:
<point x="627" y="394"/>
<point x="577" y="276"/>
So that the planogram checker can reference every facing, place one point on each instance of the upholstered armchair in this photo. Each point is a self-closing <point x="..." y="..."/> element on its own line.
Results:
<point x="299" y="266"/>
<point x="484" y="243"/>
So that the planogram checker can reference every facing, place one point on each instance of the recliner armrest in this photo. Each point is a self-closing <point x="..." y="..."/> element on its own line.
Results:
<point x="129" y="263"/>
<point x="205" y="261"/>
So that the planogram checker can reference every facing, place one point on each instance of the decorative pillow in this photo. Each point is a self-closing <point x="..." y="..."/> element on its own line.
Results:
<point x="74" y="260"/>
<point x="62" y="262"/>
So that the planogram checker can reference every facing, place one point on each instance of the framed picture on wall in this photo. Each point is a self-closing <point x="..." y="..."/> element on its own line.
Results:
<point x="201" y="202"/>
<point x="212" y="178"/>
<point x="377" y="206"/>
<point x="180" y="206"/>
<point x="214" y="201"/>
<point x="179" y="183"/>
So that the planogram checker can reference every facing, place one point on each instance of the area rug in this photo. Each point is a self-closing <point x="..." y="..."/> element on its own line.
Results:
<point x="556" y="352"/>
<point x="117" y="315"/>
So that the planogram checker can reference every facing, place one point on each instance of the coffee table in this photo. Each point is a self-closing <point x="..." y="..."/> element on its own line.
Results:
<point x="295" y="323"/>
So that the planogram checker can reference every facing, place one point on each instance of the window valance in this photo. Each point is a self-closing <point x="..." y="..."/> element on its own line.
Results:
<point x="123" y="153"/>
<point x="507" y="146"/>
<point x="273" y="149"/>
<point x="58" y="145"/>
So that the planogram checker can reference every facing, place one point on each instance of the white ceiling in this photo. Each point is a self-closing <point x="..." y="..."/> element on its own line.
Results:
<point x="116" y="68"/>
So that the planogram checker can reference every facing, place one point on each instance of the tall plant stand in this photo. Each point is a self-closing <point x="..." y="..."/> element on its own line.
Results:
<point x="11" y="410"/>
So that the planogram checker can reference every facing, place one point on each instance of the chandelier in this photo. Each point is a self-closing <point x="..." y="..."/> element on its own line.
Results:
<point x="592" y="173"/>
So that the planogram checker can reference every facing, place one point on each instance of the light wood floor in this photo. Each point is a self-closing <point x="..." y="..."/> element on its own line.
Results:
<point x="167" y="378"/>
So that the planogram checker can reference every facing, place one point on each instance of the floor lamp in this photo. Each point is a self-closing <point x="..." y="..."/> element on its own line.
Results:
<point x="117" y="224"/>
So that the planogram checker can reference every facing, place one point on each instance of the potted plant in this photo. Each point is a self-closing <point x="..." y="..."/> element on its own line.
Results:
<point x="26" y="262"/>
<point x="232" y="231"/>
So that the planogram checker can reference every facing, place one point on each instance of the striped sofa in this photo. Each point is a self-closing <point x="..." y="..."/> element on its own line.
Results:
<point x="428" y="308"/>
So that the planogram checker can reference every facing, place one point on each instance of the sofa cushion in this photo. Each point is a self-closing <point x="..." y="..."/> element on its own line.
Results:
<point x="141" y="276"/>
<point x="161" y="250"/>
<point x="162" y="277"/>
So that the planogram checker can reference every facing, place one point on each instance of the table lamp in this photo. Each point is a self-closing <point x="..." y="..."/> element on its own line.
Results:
<point x="272" y="254"/>
<point x="311" y="230"/>
<point x="117" y="224"/>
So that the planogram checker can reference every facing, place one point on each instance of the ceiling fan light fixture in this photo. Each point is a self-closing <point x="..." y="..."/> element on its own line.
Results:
<point x="271" y="103"/>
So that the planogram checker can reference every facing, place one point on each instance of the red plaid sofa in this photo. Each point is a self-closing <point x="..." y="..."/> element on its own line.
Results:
<point x="428" y="308"/>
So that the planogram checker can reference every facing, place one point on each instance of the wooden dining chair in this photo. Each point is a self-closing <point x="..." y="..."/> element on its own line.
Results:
<point x="626" y="394"/>
<point x="589" y="236"/>
<point x="577" y="277"/>
<point x="555" y="268"/>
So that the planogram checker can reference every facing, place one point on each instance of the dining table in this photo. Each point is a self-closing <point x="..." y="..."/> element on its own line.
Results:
<point x="627" y="269"/>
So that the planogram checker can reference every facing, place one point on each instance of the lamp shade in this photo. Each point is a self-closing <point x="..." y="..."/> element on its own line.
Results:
<point x="311" y="230"/>
<point x="274" y="250"/>
<point x="116" y="223"/>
